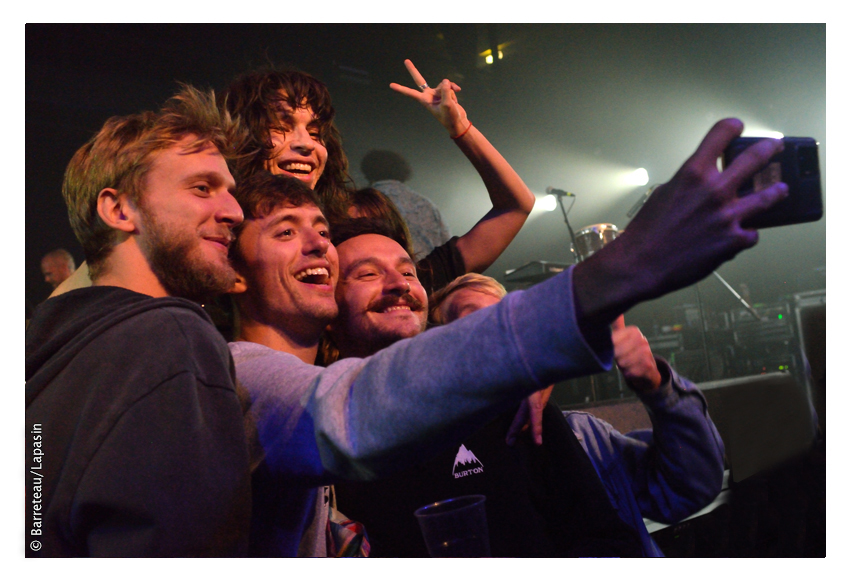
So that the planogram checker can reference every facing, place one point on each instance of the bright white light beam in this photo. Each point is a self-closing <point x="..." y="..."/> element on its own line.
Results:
<point x="546" y="203"/>
<point x="640" y="177"/>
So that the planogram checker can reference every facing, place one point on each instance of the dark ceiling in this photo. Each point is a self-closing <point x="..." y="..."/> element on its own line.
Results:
<point x="572" y="106"/>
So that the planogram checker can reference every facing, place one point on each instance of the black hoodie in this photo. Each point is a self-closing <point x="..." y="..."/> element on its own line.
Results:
<point x="134" y="438"/>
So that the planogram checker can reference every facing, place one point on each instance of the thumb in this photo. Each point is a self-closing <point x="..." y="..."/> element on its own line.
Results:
<point x="619" y="323"/>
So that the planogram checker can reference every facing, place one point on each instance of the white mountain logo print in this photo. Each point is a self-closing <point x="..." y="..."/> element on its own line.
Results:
<point x="466" y="463"/>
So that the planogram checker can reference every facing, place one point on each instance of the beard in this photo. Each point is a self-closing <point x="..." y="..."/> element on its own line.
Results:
<point x="175" y="256"/>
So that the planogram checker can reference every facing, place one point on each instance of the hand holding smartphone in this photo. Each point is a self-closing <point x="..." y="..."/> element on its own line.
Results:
<point x="797" y="165"/>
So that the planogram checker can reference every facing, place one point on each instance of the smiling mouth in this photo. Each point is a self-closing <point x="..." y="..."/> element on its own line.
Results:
<point x="315" y="276"/>
<point x="297" y="168"/>
<point x="396" y="308"/>
<point x="399" y="305"/>
<point x="223" y="241"/>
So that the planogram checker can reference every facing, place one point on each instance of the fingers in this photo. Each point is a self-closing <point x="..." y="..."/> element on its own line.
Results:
<point x="535" y="419"/>
<point x="542" y="399"/>
<point x="751" y="204"/>
<point x="619" y="323"/>
<point x="629" y="345"/>
<point x="447" y="93"/>
<point x="750" y="161"/>
<point x="418" y="79"/>
<point x="519" y="423"/>
<point x="715" y="141"/>
<point x="635" y="360"/>
<point x="406" y="91"/>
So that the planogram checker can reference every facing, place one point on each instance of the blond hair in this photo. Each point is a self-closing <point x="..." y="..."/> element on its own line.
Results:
<point x="121" y="154"/>
<point x="439" y="301"/>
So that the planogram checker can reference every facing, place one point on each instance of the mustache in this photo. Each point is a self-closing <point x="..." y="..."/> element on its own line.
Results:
<point x="391" y="301"/>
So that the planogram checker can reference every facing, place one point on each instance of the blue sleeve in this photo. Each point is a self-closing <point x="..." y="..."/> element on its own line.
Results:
<point x="672" y="470"/>
<point x="361" y="418"/>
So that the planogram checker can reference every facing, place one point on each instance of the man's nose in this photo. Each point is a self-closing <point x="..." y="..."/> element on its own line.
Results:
<point x="395" y="282"/>
<point x="315" y="243"/>
<point x="229" y="210"/>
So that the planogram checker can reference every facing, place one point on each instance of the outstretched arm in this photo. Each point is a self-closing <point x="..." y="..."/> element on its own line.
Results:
<point x="687" y="228"/>
<point x="511" y="198"/>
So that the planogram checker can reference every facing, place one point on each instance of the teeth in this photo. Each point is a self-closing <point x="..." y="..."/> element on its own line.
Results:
<point x="298" y="167"/>
<point x="397" y="308"/>
<point x="309" y="272"/>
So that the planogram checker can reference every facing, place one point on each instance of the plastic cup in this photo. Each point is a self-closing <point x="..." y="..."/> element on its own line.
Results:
<point x="455" y="528"/>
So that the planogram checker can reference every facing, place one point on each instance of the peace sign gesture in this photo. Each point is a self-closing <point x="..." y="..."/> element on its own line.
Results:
<point x="441" y="101"/>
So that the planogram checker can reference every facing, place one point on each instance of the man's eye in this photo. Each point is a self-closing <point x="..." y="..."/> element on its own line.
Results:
<point x="366" y="275"/>
<point x="284" y="233"/>
<point x="325" y="234"/>
<point x="202" y="188"/>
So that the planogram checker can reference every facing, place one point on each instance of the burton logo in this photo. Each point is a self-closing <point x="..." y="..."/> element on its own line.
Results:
<point x="466" y="463"/>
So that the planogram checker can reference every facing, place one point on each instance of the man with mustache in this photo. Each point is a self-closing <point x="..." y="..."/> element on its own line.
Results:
<point x="542" y="501"/>
<point x="129" y="386"/>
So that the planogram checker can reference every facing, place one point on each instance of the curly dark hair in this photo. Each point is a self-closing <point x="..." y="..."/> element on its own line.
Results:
<point x="254" y="98"/>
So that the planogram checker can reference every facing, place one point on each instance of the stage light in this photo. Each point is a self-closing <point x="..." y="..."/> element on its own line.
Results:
<point x="546" y="203"/>
<point x="488" y="54"/>
<point x="640" y="177"/>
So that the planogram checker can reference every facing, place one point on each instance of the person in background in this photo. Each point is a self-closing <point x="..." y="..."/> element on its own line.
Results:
<point x="56" y="266"/>
<point x="388" y="171"/>
<point x="372" y="203"/>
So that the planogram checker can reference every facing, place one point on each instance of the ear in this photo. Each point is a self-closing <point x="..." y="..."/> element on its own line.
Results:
<point x="240" y="286"/>
<point x="116" y="211"/>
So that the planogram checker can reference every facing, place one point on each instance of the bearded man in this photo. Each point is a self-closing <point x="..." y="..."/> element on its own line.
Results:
<point x="130" y="389"/>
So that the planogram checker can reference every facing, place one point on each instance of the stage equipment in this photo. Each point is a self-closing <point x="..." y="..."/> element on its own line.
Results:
<point x="534" y="272"/>
<point x="592" y="238"/>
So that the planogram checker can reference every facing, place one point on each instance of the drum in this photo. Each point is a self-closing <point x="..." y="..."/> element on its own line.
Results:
<point x="592" y="238"/>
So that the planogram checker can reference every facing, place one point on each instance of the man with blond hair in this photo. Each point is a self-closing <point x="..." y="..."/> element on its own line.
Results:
<point x="135" y="441"/>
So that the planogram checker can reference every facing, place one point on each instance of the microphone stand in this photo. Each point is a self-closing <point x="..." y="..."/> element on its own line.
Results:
<point x="569" y="228"/>
<point x="704" y="324"/>
<point x="574" y="248"/>
<point x="738" y="297"/>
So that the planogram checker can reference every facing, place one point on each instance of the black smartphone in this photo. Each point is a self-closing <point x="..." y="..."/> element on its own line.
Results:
<point x="797" y="165"/>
